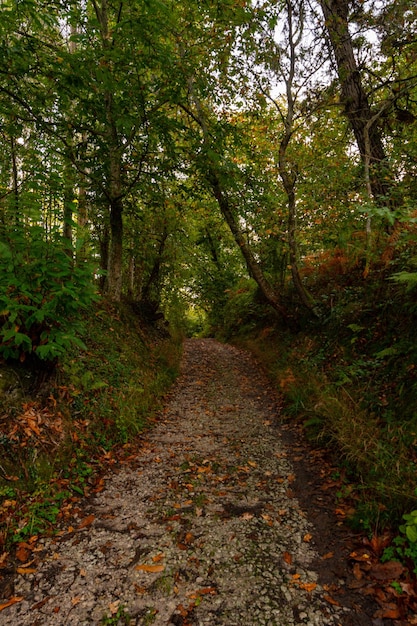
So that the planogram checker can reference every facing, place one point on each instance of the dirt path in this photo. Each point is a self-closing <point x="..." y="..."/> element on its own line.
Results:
<point x="203" y="529"/>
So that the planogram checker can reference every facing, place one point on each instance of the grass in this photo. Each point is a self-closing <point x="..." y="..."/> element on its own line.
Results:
<point x="58" y="430"/>
<point x="350" y="379"/>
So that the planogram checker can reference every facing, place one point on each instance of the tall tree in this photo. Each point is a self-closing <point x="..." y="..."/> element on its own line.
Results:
<point x="363" y="120"/>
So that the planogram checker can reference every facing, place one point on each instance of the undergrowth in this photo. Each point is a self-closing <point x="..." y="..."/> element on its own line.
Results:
<point x="351" y="379"/>
<point x="59" y="428"/>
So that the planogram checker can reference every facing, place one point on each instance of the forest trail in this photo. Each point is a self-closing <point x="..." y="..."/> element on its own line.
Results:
<point x="201" y="528"/>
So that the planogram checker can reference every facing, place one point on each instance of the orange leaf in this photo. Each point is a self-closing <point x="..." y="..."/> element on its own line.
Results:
<point x="307" y="537"/>
<point x="328" y="555"/>
<point x="360" y="557"/>
<point x="287" y="558"/>
<point x="158" y="557"/>
<point x="87" y="521"/>
<point x="152" y="569"/>
<point x="25" y="570"/>
<point x="31" y="422"/>
<point x="11" y="602"/>
<point x="390" y="611"/>
<point x="246" y="515"/>
<point x="22" y="553"/>
<point x="331" y="600"/>
<point x="207" y="590"/>
<point x="308" y="586"/>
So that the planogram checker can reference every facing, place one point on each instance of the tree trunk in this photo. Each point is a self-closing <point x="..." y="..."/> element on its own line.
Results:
<point x="355" y="99"/>
<point x="15" y="181"/>
<point x="287" y="173"/>
<point x="115" y="264"/>
<point x="113" y="186"/>
<point x="213" y="178"/>
<point x="104" y="242"/>
<point x="254" y="269"/>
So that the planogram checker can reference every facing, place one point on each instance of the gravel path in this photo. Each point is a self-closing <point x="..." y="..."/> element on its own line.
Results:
<point x="203" y="529"/>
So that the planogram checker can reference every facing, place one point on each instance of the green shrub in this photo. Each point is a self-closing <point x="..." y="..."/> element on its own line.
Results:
<point x="41" y="295"/>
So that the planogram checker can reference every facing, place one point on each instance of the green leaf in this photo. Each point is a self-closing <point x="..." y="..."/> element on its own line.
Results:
<point x="411" y="532"/>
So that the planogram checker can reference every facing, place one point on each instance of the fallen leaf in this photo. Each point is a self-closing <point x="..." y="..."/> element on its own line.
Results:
<point x="201" y="592"/>
<point x="308" y="537"/>
<point x="207" y="590"/>
<point x="75" y="601"/>
<point x="387" y="571"/>
<point x="328" y="555"/>
<point x="86" y="522"/>
<point x="357" y="572"/>
<point x="379" y="542"/>
<point x="114" y="607"/>
<point x="308" y="586"/>
<point x="246" y="515"/>
<point x="23" y="552"/>
<point x="390" y="611"/>
<point x="40" y="604"/>
<point x="3" y="559"/>
<point x="331" y="600"/>
<point x="24" y="570"/>
<point x="153" y="569"/>
<point x="10" y="602"/>
<point x="158" y="557"/>
<point x="287" y="558"/>
<point x="360" y="556"/>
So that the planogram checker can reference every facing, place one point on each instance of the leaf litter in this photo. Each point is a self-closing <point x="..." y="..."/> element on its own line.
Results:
<point x="199" y="528"/>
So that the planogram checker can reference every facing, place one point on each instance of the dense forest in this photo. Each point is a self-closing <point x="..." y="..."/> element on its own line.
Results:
<point x="232" y="168"/>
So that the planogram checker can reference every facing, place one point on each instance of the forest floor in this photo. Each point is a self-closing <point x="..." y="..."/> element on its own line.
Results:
<point x="223" y="516"/>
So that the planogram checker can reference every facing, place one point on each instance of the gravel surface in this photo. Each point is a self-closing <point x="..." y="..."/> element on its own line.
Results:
<point x="202" y="529"/>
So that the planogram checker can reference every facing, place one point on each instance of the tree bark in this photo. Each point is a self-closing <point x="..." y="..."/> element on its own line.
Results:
<point x="254" y="269"/>
<point x="115" y="263"/>
<point x="355" y="98"/>
<point x="113" y="184"/>
<point x="288" y="175"/>
<point x="213" y="178"/>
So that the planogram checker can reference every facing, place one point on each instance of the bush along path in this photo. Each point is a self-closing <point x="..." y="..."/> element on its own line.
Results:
<point x="203" y="526"/>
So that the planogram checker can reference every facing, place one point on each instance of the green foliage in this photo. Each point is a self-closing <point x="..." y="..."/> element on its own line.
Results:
<point x="410" y="526"/>
<point x="42" y="514"/>
<point x="409" y="279"/>
<point x="121" y="616"/>
<point x="243" y="312"/>
<point x="404" y="546"/>
<point x="42" y="294"/>
<point x="99" y="401"/>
